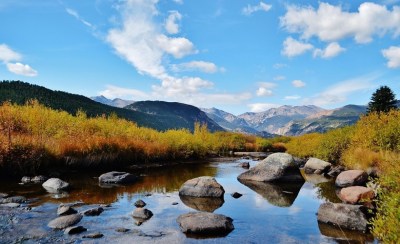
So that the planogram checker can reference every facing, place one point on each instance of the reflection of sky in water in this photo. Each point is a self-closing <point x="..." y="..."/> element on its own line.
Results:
<point x="256" y="220"/>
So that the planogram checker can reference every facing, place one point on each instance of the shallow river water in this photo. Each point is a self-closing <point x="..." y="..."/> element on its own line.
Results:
<point x="266" y="213"/>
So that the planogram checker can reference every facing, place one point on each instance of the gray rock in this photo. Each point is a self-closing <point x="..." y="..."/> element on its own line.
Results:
<point x="236" y="195"/>
<point x="142" y="213"/>
<point x="204" y="223"/>
<point x="315" y="165"/>
<point x="65" y="221"/>
<point x="26" y="179"/>
<point x="74" y="230"/>
<point x="65" y="210"/>
<point x="93" y="235"/>
<point x="140" y="203"/>
<point x="93" y="212"/>
<point x="3" y="195"/>
<point x="54" y="185"/>
<point x="276" y="167"/>
<point x="115" y="177"/>
<point x="351" y="178"/>
<point x="14" y="199"/>
<point x="39" y="179"/>
<point x="10" y="205"/>
<point x="204" y="186"/>
<point x="345" y="216"/>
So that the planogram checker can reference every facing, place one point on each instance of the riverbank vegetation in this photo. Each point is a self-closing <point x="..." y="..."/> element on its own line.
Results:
<point x="35" y="138"/>
<point x="373" y="143"/>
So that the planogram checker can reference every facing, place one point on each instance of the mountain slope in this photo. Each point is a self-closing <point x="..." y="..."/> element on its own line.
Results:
<point x="116" y="102"/>
<point x="181" y="115"/>
<point x="273" y="119"/>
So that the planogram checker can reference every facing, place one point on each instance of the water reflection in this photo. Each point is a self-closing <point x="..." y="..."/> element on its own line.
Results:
<point x="278" y="194"/>
<point x="343" y="235"/>
<point x="207" y="204"/>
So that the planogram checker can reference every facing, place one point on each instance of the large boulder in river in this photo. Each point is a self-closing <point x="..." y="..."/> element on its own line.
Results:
<point x="204" y="186"/>
<point x="351" y="178"/>
<point x="204" y="223"/>
<point x="356" y="194"/>
<point x="116" y="177"/>
<point x="53" y="185"/>
<point x="65" y="221"/>
<point x="345" y="216"/>
<point x="276" y="167"/>
<point x="317" y="166"/>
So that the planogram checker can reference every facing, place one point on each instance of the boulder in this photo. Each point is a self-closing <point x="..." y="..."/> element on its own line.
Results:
<point x="142" y="213"/>
<point x="115" y="177"/>
<point x="351" y="178"/>
<point x="65" y="210"/>
<point x="356" y="194"/>
<point x="315" y="165"/>
<point x="93" y="212"/>
<point x="345" y="216"/>
<point x="207" y="204"/>
<point x="74" y="230"/>
<point x="204" y="223"/>
<point x="26" y="179"/>
<point x="204" y="186"/>
<point x="140" y="203"/>
<point x="335" y="171"/>
<point x="276" y="167"/>
<point x="53" y="185"/>
<point x="64" y="221"/>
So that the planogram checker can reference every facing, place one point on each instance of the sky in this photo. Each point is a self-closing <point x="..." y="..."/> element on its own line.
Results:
<point x="235" y="55"/>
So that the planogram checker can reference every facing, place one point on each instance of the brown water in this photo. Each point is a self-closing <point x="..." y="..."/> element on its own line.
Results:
<point x="266" y="213"/>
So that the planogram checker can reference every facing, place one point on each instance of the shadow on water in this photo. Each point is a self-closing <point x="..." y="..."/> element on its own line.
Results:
<point x="278" y="194"/>
<point x="206" y="204"/>
<point x="343" y="235"/>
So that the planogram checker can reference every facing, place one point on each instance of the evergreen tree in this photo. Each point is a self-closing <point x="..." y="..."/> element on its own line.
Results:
<point x="382" y="100"/>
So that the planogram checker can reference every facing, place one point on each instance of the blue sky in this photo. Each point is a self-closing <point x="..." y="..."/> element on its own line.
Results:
<point x="234" y="55"/>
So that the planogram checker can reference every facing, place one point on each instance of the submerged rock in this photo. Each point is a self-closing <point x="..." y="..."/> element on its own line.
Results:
<point x="93" y="212"/>
<point x="142" y="213"/>
<point x="351" y="178"/>
<point x="64" y="221"/>
<point x="115" y="177"/>
<point x="276" y="167"/>
<point x="65" y="210"/>
<point x="140" y="203"/>
<point x="345" y="216"/>
<point x="204" y="186"/>
<point x="315" y="165"/>
<point x="207" y="204"/>
<point x="356" y="194"/>
<point x="53" y="185"/>
<point x="205" y="223"/>
<point x="74" y="230"/>
<point x="93" y="235"/>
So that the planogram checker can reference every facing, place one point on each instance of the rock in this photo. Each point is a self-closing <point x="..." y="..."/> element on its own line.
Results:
<point x="245" y="165"/>
<point x="122" y="230"/>
<point x="93" y="212"/>
<point x="207" y="204"/>
<point x="10" y="205"/>
<point x="351" y="178"/>
<point x="105" y="205"/>
<point x="64" y="221"/>
<point x="3" y="195"/>
<point x="299" y="162"/>
<point x="140" y="203"/>
<point x="115" y="177"/>
<point x="343" y="215"/>
<point x="236" y="195"/>
<point x="53" y="185"/>
<point x="335" y="171"/>
<point x="94" y="235"/>
<point x="204" y="223"/>
<point x="142" y="213"/>
<point x="317" y="166"/>
<point x="74" y="230"/>
<point x="276" y="167"/>
<point x="356" y="194"/>
<point x="26" y="179"/>
<point x="15" y="199"/>
<point x="65" y="210"/>
<point x="39" y="179"/>
<point x="204" y="186"/>
<point x="175" y="203"/>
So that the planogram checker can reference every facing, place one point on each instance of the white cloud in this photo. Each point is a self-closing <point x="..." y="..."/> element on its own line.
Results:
<point x="264" y="92"/>
<point x="279" y="77"/>
<point x="339" y="92"/>
<point x="171" y="25"/>
<point x="78" y="17"/>
<point x="261" y="107"/>
<point x="206" y="67"/>
<point x="332" y="23"/>
<point x="21" y="69"/>
<point x="295" y="97"/>
<point x="298" y="83"/>
<point x="392" y="54"/>
<point x="178" y="47"/>
<point x="332" y="50"/>
<point x="292" y="47"/>
<point x="173" y="87"/>
<point x="8" y="55"/>
<point x="119" y="92"/>
<point x="249" y="9"/>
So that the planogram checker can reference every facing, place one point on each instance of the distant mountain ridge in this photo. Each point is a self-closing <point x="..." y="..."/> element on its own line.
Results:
<point x="116" y="102"/>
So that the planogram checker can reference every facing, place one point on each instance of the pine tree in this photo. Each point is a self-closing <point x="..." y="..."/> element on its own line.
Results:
<point x="382" y="100"/>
